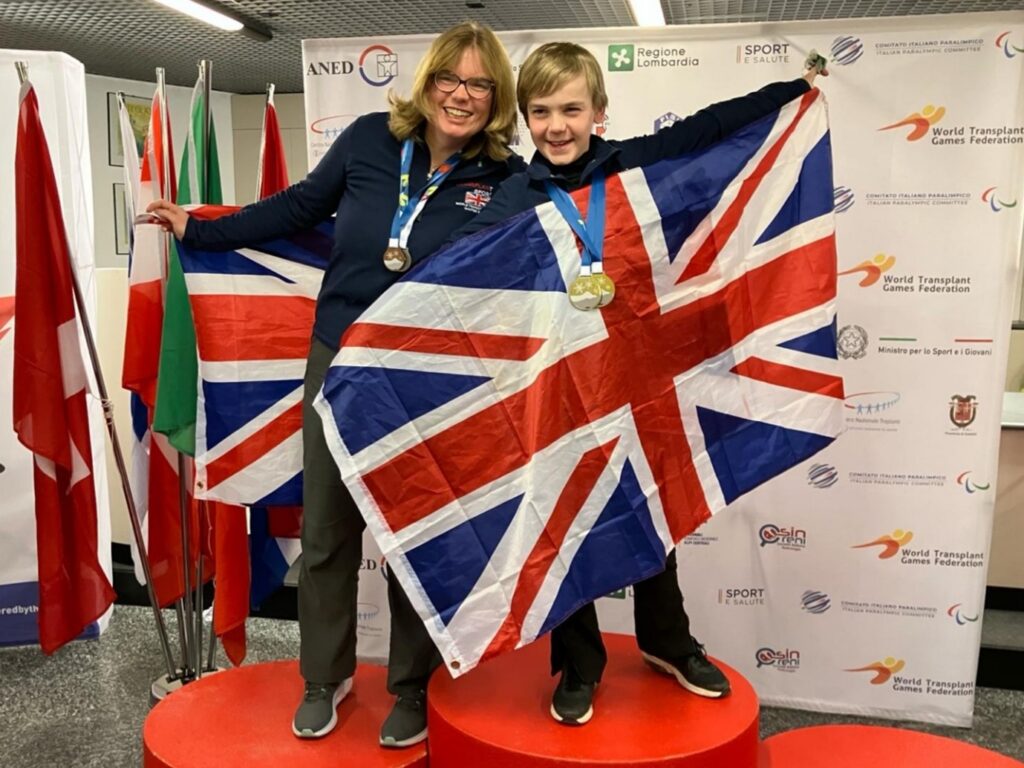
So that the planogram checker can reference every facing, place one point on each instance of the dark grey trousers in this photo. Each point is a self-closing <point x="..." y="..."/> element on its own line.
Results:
<point x="332" y="530"/>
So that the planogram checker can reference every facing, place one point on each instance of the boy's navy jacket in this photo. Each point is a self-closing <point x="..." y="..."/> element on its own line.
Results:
<point x="702" y="129"/>
<point x="358" y="180"/>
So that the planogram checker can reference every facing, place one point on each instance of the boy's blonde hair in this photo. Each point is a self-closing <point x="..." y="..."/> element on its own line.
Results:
<point x="553" y="65"/>
<point x="407" y="115"/>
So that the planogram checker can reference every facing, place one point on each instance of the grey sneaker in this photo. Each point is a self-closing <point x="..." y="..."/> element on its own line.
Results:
<point x="407" y="723"/>
<point x="318" y="713"/>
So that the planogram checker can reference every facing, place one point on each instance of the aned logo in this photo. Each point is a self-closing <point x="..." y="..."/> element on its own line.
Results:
<point x="918" y="122"/>
<point x="381" y="69"/>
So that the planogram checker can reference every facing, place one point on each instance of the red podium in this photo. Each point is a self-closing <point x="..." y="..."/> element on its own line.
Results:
<point x="242" y="717"/>
<point x="497" y="717"/>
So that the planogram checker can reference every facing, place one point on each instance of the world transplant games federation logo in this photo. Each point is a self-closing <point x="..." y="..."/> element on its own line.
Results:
<point x="378" y="65"/>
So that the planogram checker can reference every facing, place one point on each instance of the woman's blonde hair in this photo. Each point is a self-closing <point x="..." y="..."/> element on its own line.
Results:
<point x="407" y="115"/>
<point x="553" y="65"/>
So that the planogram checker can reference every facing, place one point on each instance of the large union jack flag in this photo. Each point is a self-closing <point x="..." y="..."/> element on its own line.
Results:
<point x="253" y="313"/>
<point x="516" y="458"/>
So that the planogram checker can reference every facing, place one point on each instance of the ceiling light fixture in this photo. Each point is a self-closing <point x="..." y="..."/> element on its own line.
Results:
<point x="218" y="18"/>
<point x="647" y="13"/>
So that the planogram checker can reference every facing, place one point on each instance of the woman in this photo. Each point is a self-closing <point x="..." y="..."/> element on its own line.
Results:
<point x="451" y="137"/>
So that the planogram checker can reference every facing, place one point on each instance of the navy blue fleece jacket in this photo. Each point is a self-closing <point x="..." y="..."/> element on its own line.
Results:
<point x="358" y="180"/>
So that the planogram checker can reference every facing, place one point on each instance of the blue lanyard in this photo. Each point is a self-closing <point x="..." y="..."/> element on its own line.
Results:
<point x="591" y="231"/>
<point x="410" y="208"/>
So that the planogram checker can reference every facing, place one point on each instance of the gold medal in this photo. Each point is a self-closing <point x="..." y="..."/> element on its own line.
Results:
<point x="397" y="259"/>
<point x="605" y="288"/>
<point x="584" y="293"/>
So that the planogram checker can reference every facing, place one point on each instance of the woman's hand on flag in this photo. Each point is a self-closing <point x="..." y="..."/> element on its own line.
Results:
<point x="173" y="218"/>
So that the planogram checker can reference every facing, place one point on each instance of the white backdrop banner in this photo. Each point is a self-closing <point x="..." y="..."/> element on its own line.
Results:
<point x="854" y="583"/>
<point x="59" y="81"/>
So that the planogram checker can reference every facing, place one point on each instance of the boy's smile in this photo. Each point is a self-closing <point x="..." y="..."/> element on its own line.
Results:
<point x="561" y="122"/>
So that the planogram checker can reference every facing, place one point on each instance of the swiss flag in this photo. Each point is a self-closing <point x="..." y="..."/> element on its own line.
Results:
<point x="50" y="416"/>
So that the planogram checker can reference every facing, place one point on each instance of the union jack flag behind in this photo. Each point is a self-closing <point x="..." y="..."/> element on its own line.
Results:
<point x="253" y="314"/>
<point x="516" y="458"/>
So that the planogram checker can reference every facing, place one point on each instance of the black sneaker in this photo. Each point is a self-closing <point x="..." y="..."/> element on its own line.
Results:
<point x="573" y="700"/>
<point x="318" y="713"/>
<point x="407" y="723"/>
<point x="695" y="672"/>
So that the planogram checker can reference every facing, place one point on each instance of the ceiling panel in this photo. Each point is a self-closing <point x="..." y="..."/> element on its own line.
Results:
<point x="129" y="38"/>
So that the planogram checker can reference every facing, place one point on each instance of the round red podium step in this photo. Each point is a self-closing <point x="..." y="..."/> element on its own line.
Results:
<point x="242" y="717"/>
<point x="860" y="746"/>
<point x="497" y="717"/>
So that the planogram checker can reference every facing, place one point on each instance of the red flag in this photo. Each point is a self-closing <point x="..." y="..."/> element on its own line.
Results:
<point x="272" y="176"/>
<point x="50" y="415"/>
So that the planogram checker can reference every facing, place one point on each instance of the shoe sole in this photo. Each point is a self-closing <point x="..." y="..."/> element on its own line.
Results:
<point x="339" y="695"/>
<point x="584" y="719"/>
<point x="667" y="669"/>
<point x="390" y="743"/>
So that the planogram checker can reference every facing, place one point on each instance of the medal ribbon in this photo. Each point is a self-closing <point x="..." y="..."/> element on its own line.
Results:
<point x="589" y="231"/>
<point x="409" y="209"/>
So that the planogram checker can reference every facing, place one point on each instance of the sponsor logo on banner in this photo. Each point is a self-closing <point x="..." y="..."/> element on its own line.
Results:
<point x="367" y="611"/>
<point x="887" y="672"/>
<point x="916" y="125"/>
<point x="784" y="538"/>
<point x="929" y="199"/>
<point x="852" y="342"/>
<point x="890" y="544"/>
<point x="601" y="128"/>
<point x="842" y="199"/>
<point x="331" y="127"/>
<point x="969" y="485"/>
<point x="963" y="410"/>
<point x="625" y="57"/>
<point x="333" y="67"/>
<point x="699" y="540"/>
<point x="871" y="269"/>
<point x="378" y="65"/>
<point x="930" y="47"/>
<point x="872" y="411"/>
<point x="375" y="566"/>
<point x="1009" y="46"/>
<point x="992" y="199"/>
<point x="743" y="596"/>
<point x="783" y="660"/>
<point x="6" y="314"/>
<point x="762" y="52"/>
<point x="626" y="593"/>
<point x="822" y="475"/>
<point x="815" y="602"/>
<point x="897" y="479"/>
<point x="368" y="620"/>
<point x="877" y="608"/>
<point x="846" y="50"/>
<point x="882" y="671"/>
<point x="893" y="546"/>
<point x="956" y="612"/>
<point x="664" y="121"/>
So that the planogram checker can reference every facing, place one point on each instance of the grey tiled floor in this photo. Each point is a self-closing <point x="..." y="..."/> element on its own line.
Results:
<point x="84" y="707"/>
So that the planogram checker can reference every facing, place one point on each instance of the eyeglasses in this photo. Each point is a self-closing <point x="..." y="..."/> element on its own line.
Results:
<point x="477" y="87"/>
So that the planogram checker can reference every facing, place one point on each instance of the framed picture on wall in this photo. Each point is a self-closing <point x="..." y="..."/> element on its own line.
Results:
<point x="139" y="109"/>
<point x="121" y="239"/>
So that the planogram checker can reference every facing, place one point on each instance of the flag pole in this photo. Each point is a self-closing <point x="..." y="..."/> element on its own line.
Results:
<point x="108" y="415"/>
<point x="206" y="67"/>
<point x="263" y="139"/>
<point x="185" y="609"/>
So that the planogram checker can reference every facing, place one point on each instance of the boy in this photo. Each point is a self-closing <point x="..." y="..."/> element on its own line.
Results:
<point x="561" y="94"/>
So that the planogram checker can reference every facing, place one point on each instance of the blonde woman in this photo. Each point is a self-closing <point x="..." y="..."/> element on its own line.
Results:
<point x="450" y="136"/>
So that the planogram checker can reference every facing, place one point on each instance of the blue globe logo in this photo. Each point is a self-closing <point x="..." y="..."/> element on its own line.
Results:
<point x="842" y="199"/>
<point x="846" y="50"/>
<point x="815" y="602"/>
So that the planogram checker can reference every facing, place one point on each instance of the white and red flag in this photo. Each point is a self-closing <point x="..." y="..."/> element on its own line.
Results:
<point x="50" y="415"/>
